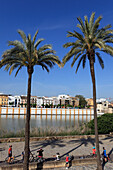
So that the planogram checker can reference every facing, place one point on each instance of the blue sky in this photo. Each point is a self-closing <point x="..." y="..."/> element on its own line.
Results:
<point x="54" y="18"/>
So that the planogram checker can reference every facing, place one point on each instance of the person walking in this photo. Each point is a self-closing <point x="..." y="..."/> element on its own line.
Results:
<point x="67" y="162"/>
<point x="9" y="153"/>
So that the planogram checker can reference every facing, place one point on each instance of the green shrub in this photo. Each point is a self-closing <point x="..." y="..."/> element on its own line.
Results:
<point x="105" y="124"/>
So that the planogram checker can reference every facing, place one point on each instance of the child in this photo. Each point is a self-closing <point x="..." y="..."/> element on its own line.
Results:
<point x="57" y="156"/>
<point x="94" y="151"/>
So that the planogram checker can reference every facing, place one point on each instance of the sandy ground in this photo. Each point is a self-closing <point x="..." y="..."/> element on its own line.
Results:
<point x="74" y="146"/>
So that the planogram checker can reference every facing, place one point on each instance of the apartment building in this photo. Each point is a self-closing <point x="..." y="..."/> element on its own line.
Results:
<point x="13" y="101"/>
<point x="62" y="100"/>
<point x="23" y="101"/>
<point x="3" y="100"/>
<point x="68" y="100"/>
<point x="102" y="106"/>
<point x="89" y="102"/>
<point x="44" y="101"/>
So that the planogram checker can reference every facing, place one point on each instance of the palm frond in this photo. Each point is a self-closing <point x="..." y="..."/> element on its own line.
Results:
<point x="74" y="59"/>
<point x="13" y="67"/>
<point x="81" y="26"/>
<point x="34" y="38"/>
<point x="44" y="66"/>
<point x="18" y="70"/>
<point x="22" y="34"/>
<point x="16" y="43"/>
<point x="84" y="60"/>
<point x="38" y="42"/>
<point x="70" y="54"/>
<point x="86" y="26"/>
<point x="96" y="25"/>
<point x="68" y="44"/>
<point x="79" y="63"/>
<point x="100" y="60"/>
<point x="91" y="21"/>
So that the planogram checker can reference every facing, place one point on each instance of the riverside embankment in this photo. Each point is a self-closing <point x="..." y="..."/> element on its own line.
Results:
<point x="73" y="145"/>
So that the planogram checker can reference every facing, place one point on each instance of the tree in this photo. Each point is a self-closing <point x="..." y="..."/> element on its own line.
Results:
<point x="82" y="101"/>
<point x="105" y="124"/>
<point x="88" y="45"/>
<point x="28" y="54"/>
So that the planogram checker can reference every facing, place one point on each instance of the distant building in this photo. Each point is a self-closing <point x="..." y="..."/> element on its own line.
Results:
<point x="90" y="102"/>
<point x="13" y="101"/>
<point x="61" y="100"/>
<point x="55" y="101"/>
<point x="110" y="108"/>
<point x="44" y="101"/>
<point x="102" y="106"/>
<point x="23" y="101"/>
<point x="68" y="100"/>
<point x="3" y="100"/>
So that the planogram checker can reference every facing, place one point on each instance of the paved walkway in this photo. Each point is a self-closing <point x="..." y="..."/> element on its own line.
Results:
<point x="108" y="166"/>
<point x="72" y="146"/>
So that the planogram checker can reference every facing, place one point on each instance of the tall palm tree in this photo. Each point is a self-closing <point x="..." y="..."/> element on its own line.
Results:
<point x="88" y="45"/>
<point x="28" y="54"/>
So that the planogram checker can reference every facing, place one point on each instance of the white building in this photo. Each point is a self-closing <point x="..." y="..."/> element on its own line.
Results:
<point x="13" y="101"/>
<point x="102" y="106"/>
<point x="44" y="101"/>
<point x="39" y="101"/>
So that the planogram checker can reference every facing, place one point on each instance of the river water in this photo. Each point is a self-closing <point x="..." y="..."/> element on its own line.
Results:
<point x="16" y="124"/>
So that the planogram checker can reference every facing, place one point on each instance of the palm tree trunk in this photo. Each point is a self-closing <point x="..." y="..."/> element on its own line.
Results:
<point x="27" y="125"/>
<point x="99" y="166"/>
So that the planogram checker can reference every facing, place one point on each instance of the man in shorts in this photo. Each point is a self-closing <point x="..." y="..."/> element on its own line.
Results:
<point x="104" y="154"/>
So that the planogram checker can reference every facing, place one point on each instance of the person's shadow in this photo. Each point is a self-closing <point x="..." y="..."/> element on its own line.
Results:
<point x="39" y="166"/>
<point x="70" y="161"/>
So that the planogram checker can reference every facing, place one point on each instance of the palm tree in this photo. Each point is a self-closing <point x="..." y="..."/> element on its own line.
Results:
<point x="27" y="54"/>
<point x="88" y="45"/>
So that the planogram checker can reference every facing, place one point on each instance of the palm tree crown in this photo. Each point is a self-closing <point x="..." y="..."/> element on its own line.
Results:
<point x="90" y="42"/>
<point x="27" y="54"/>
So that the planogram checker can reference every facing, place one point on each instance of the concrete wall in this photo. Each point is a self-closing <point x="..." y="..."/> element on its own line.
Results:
<point x="49" y="165"/>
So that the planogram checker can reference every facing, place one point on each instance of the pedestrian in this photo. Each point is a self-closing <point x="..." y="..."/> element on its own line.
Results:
<point x="104" y="154"/>
<point x="40" y="154"/>
<point x="57" y="156"/>
<point x="10" y="153"/>
<point x="94" y="151"/>
<point x="67" y="161"/>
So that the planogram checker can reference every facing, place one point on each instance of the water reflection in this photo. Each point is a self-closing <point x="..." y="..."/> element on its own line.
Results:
<point x="59" y="121"/>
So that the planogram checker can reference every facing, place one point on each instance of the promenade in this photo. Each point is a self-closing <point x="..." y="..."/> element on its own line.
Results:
<point x="77" y="146"/>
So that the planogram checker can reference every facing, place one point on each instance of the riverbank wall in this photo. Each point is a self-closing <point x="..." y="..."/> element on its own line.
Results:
<point x="15" y="112"/>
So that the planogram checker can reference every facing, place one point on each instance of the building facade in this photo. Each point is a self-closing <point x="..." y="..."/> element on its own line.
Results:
<point x="102" y="106"/>
<point x="3" y="100"/>
<point x="23" y="101"/>
<point x="66" y="100"/>
<point x="89" y="102"/>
